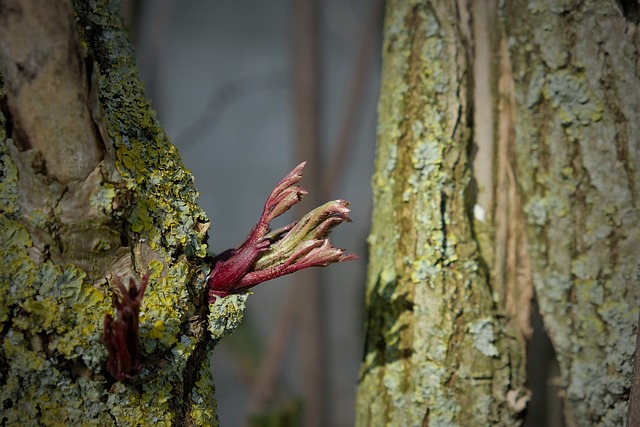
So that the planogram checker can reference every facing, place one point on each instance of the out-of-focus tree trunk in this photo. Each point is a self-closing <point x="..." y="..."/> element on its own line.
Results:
<point x="91" y="189"/>
<point x="551" y="203"/>
<point x="306" y="67"/>
<point x="576" y="153"/>
<point x="439" y="349"/>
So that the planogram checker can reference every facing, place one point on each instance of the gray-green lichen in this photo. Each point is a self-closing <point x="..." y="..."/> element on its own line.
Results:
<point x="577" y="156"/>
<point x="203" y="406"/>
<point x="484" y="336"/>
<point x="225" y="314"/>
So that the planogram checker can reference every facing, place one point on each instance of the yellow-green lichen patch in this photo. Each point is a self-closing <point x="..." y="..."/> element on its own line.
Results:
<point x="67" y="310"/>
<point x="103" y="199"/>
<point x="18" y="349"/>
<point x="40" y="315"/>
<point x="16" y="274"/>
<point x="151" y="405"/>
<point x="163" y="306"/>
<point x="71" y="312"/>
<point x="48" y="311"/>
<point x="181" y="351"/>
<point x="84" y="339"/>
<point x="8" y="178"/>
<point x="36" y="392"/>
<point x="130" y="408"/>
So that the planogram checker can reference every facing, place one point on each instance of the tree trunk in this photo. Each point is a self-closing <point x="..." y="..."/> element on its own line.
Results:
<point x="438" y="349"/>
<point x="576" y="74"/>
<point x="91" y="190"/>
<point x="551" y="202"/>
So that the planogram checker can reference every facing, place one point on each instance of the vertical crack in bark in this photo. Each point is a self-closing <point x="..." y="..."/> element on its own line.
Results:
<point x="622" y="120"/>
<point x="512" y="268"/>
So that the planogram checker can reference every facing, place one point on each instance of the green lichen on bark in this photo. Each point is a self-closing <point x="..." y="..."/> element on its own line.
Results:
<point x="166" y="210"/>
<point x="577" y="133"/>
<point x="52" y="324"/>
<point x="9" y="178"/>
<point x="225" y="314"/>
<point x="135" y="212"/>
<point x="438" y="352"/>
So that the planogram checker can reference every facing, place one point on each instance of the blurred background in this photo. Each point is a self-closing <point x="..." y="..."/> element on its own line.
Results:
<point x="246" y="90"/>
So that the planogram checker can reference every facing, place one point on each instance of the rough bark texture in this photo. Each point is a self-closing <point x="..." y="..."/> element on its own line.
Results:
<point x="576" y="73"/>
<point x="42" y="61"/>
<point x="438" y="350"/>
<point x="91" y="188"/>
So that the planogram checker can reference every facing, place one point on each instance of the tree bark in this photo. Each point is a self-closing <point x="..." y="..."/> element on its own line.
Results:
<point x="557" y="209"/>
<point x="575" y="69"/>
<point x="438" y="349"/>
<point x="91" y="190"/>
